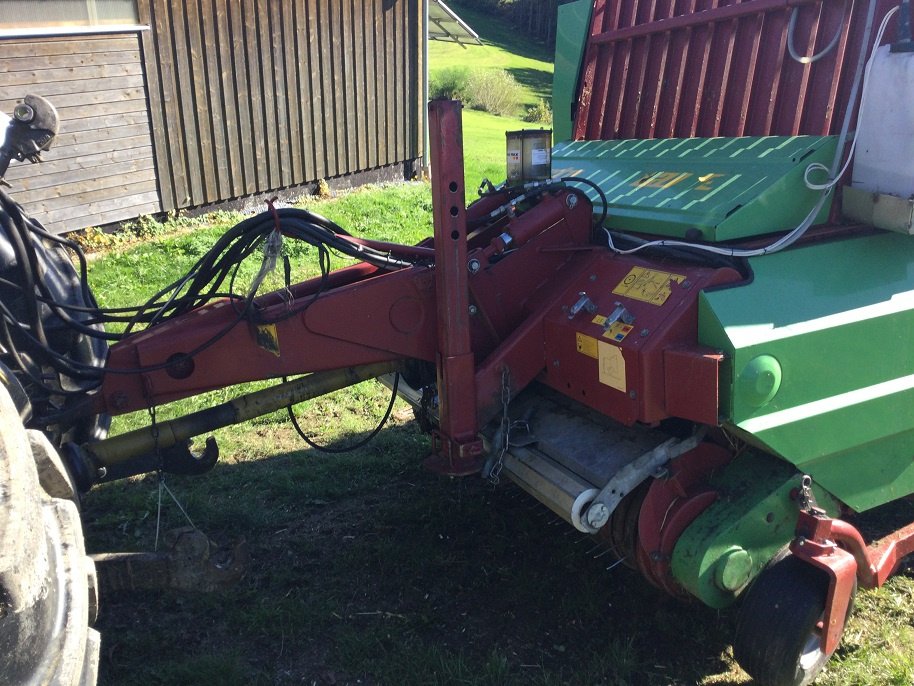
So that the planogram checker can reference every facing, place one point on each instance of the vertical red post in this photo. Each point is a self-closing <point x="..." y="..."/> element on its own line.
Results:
<point x="456" y="446"/>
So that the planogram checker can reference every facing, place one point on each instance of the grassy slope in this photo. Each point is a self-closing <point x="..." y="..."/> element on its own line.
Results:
<point x="529" y="62"/>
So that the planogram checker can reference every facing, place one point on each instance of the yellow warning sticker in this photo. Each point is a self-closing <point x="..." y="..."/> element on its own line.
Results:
<point x="648" y="285"/>
<point x="618" y="331"/>
<point x="268" y="338"/>
<point x="586" y="345"/>
<point x="612" y="366"/>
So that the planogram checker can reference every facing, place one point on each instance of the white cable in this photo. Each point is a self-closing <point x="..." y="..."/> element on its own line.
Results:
<point x="818" y="166"/>
<point x="826" y="188"/>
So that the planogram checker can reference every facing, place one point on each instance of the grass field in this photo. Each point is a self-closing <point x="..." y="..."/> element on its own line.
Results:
<point x="367" y="569"/>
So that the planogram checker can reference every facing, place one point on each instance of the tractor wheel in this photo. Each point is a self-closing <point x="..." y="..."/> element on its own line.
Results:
<point x="778" y="637"/>
<point x="47" y="584"/>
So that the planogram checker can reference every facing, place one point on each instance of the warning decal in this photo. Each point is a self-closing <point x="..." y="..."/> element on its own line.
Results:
<point x="648" y="285"/>
<point x="618" y="331"/>
<point x="612" y="366"/>
<point x="586" y="345"/>
<point x="268" y="338"/>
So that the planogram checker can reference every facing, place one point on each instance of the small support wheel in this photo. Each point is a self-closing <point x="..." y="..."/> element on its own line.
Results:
<point x="779" y="635"/>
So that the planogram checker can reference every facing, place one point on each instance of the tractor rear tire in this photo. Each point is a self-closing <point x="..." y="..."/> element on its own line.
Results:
<point x="778" y="636"/>
<point x="47" y="583"/>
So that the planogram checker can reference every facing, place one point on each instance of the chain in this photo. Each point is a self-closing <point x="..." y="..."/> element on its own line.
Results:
<point x="807" y="500"/>
<point x="163" y="487"/>
<point x="504" y="429"/>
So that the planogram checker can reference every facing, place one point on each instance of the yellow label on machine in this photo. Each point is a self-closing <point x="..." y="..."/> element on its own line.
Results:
<point x="612" y="366"/>
<point x="648" y="285"/>
<point x="586" y="345"/>
<point x="268" y="338"/>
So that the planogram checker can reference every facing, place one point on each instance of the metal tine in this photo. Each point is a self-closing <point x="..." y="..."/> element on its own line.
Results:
<point x="615" y="564"/>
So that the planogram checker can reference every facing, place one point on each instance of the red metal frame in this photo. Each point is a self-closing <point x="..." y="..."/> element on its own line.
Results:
<point x="491" y="315"/>
<point x="838" y="548"/>
<point x="457" y="448"/>
<point x="364" y="314"/>
<point x="665" y="69"/>
<point x="670" y="506"/>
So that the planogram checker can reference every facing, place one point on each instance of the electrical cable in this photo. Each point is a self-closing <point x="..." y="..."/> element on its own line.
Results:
<point x="596" y="187"/>
<point x="358" y="444"/>
<point x="791" y="26"/>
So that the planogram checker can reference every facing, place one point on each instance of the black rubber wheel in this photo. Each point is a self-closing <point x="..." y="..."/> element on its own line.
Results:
<point x="778" y="637"/>
<point x="48" y="586"/>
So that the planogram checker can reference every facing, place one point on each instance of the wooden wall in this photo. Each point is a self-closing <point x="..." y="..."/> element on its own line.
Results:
<point x="100" y="169"/>
<point x="249" y="96"/>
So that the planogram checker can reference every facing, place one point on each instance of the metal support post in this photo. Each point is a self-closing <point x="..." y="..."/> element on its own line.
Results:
<point x="457" y="449"/>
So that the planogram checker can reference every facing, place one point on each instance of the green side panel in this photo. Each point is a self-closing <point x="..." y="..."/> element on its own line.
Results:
<point x="754" y="517"/>
<point x="820" y="362"/>
<point x="712" y="189"/>
<point x="570" y="39"/>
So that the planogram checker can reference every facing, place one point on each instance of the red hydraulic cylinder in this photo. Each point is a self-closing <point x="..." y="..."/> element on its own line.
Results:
<point x="457" y="448"/>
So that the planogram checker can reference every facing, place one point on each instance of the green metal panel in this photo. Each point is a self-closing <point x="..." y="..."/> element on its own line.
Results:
<point x="570" y="39"/>
<point x="754" y="517"/>
<point x="820" y="362"/>
<point x="713" y="189"/>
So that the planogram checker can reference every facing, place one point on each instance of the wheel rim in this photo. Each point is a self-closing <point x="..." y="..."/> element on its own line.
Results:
<point x="812" y="651"/>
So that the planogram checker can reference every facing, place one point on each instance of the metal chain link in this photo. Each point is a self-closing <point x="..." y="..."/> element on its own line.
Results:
<point x="504" y="429"/>
<point x="162" y="485"/>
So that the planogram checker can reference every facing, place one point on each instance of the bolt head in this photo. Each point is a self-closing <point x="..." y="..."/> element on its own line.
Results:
<point x="597" y="515"/>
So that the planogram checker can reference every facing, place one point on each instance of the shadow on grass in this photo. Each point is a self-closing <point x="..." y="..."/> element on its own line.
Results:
<point x="365" y="568"/>
<point x="501" y="33"/>
<point x="537" y="80"/>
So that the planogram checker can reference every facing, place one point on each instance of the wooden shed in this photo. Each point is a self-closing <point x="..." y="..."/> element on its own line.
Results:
<point x="174" y="104"/>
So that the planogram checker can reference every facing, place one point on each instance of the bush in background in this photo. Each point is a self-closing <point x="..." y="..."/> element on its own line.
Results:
<point x="539" y="113"/>
<point x="494" y="91"/>
<point x="449" y="83"/>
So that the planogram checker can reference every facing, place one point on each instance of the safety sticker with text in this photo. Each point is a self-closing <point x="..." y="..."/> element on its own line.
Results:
<point x="648" y="285"/>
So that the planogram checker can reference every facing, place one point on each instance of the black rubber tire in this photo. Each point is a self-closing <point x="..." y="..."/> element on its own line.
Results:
<point x="777" y="635"/>
<point x="48" y="586"/>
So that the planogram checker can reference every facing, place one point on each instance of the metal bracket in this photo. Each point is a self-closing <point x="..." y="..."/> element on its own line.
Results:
<point x="626" y="479"/>
<point x="620" y="314"/>
<point x="584" y="303"/>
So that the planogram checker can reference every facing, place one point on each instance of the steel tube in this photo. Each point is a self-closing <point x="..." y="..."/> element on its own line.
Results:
<point x="169" y="433"/>
<point x="716" y="14"/>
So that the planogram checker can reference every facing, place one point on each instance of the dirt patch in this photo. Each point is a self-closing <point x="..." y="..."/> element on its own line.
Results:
<point x="421" y="580"/>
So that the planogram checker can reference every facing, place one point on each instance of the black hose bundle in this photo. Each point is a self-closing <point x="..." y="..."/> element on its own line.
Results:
<point x="52" y="331"/>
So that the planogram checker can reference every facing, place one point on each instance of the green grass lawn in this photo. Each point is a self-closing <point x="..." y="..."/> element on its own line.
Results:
<point x="529" y="62"/>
